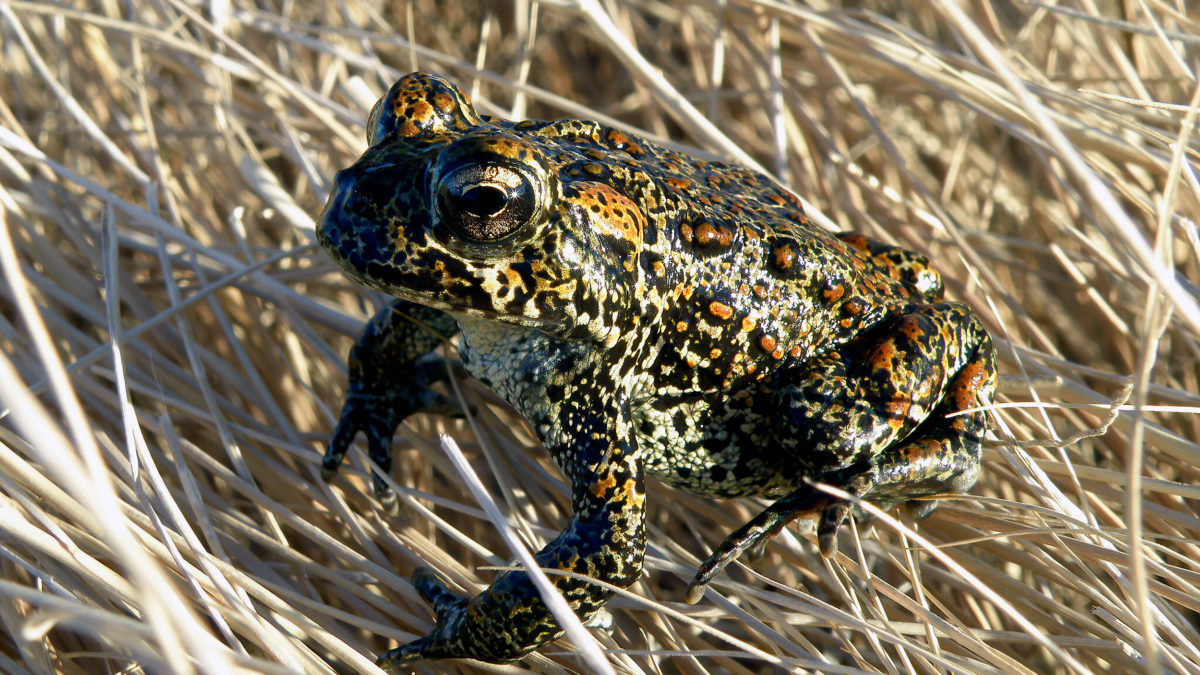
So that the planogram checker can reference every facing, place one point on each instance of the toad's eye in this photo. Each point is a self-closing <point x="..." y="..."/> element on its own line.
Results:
<point x="486" y="201"/>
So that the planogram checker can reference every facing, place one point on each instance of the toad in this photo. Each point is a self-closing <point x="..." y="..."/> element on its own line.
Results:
<point x="648" y="313"/>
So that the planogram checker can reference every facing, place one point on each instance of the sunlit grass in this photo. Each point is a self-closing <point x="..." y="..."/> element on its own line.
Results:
<point x="173" y="339"/>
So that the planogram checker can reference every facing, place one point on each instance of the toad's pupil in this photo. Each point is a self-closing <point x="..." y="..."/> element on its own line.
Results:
<point x="483" y="201"/>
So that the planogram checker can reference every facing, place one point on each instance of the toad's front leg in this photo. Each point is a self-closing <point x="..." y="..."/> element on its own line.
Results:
<point x="389" y="380"/>
<point x="605" y="539"/>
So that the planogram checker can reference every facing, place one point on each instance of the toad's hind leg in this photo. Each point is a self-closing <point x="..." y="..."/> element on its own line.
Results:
<point x="868" y="406"/>
<point x="941" y="456"/>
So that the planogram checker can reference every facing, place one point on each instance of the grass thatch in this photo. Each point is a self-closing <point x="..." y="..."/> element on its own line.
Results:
<point x="173" y="340"/>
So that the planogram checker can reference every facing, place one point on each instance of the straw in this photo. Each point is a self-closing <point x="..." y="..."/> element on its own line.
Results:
<point x="173" y="339"/>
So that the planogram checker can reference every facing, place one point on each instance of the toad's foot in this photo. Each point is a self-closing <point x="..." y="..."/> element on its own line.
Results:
<point x="754" y="535"/>
<point x="444" y="641"/>
<point x="389" y="380"/>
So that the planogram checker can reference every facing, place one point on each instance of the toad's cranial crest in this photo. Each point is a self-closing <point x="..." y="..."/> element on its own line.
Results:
<point x="647" y="312"/>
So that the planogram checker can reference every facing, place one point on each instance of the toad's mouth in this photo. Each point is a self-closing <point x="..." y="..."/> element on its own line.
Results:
<point x="462" y="296"/>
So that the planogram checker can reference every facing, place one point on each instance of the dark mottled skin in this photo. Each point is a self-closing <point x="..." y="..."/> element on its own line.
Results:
<point x="648" y="313"/>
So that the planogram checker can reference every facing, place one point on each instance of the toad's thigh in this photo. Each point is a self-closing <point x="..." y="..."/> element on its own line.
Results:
<point x="846" y="407"/>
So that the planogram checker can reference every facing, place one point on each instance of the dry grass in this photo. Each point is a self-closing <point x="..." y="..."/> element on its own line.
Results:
<point x="173" y="340"/>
